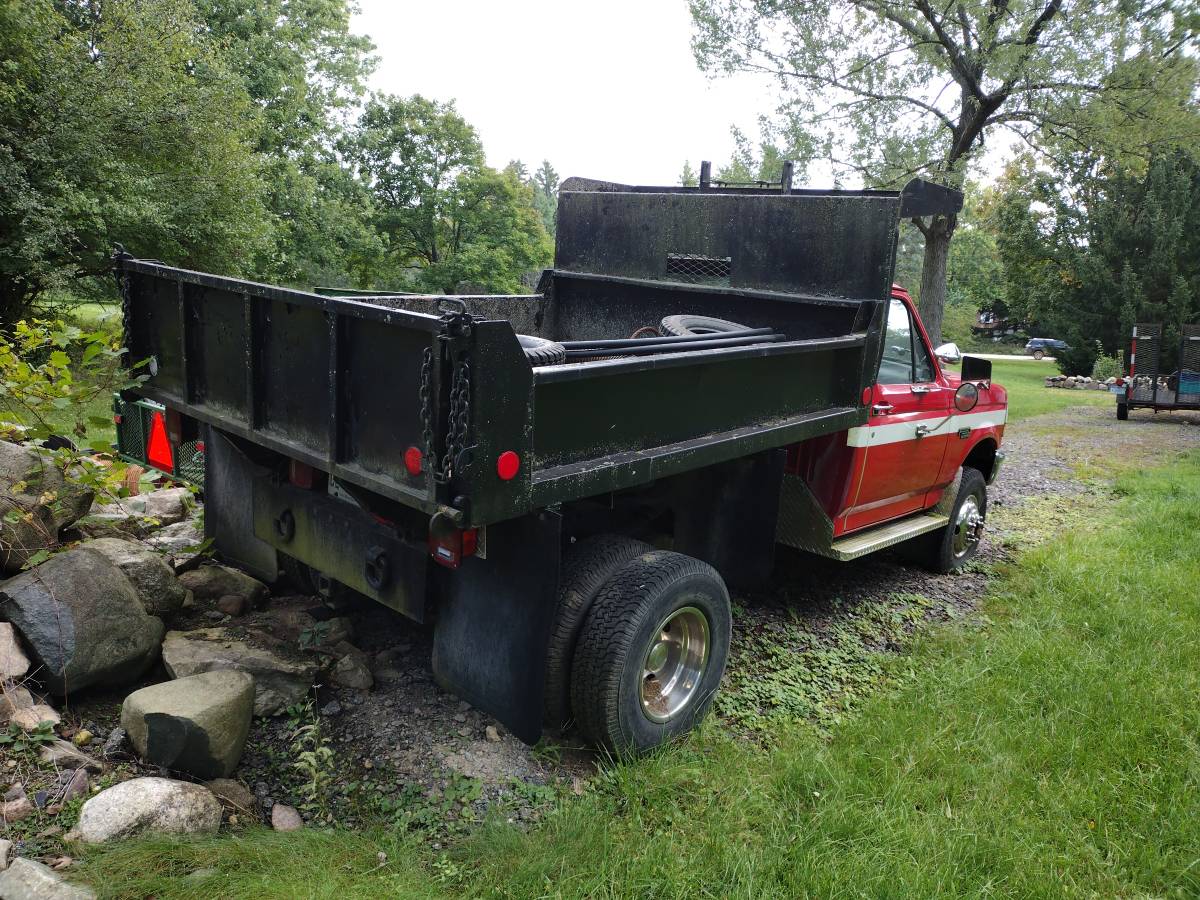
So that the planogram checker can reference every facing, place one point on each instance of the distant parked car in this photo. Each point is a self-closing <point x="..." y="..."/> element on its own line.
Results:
<point x="1039" y="347"/>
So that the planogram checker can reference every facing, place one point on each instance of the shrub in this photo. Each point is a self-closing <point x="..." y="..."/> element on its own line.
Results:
<point x="1107" y="367"/>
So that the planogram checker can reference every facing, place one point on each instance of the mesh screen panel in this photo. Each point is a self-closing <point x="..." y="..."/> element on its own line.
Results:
<point x="694" y="268"/>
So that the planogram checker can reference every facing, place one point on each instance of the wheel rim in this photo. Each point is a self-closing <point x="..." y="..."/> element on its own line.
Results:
<point x="674" y="664"/>
<point x="968" y="527"/>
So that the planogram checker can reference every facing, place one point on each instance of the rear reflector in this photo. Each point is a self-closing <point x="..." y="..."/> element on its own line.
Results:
<point x="412" y="460"/>
<point x="158" y="447"/>
<point x="507" y="465"/>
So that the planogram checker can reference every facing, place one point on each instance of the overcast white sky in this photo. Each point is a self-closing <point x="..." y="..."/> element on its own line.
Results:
<point x="605" y="90"/>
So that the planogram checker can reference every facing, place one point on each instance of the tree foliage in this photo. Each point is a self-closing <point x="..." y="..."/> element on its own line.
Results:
<point x="448" y="218"/>
<point x="118" y="121"/>
<point x="1088" y="252"/>
<point x="890" y="90"/>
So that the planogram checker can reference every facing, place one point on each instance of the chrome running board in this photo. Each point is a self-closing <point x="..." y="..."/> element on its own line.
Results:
<point x="863" y="542"/>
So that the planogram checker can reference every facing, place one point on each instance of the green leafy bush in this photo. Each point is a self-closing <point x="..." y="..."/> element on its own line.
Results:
<point x="1107" y="367"/>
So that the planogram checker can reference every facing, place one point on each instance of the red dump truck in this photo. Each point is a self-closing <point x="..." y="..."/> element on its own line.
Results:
<point x="566" y="483"/>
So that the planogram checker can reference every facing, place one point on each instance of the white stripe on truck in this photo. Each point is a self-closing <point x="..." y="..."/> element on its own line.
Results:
<point x="874" y="435"/>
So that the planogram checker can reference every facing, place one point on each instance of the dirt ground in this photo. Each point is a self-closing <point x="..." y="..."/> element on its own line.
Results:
<point x="806" y="648"/>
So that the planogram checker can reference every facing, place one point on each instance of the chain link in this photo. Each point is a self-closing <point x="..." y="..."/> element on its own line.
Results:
<point x="456" y="325"/>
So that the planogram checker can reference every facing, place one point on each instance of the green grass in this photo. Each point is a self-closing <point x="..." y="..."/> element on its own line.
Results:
<point x="1053" y="752"/>
<point x="1028" y="396"/>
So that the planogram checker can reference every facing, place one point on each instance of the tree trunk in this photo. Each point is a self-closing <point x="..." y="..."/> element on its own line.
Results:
<point x="933" y="275"/>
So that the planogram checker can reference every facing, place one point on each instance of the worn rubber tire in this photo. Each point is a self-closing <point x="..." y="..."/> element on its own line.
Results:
<point x="1122" y="411"/>
<point x="541" y="352"/>
<point x="607" y="672"/>
<point x="586" y="568"/>
<point x="938" y="552"/>
<point x="688" y="324"/>
<point x="1039" y="354"/>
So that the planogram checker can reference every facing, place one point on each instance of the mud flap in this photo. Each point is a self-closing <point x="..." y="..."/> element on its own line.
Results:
<point x="229" y="507"/>
<point x="489" y="645"/>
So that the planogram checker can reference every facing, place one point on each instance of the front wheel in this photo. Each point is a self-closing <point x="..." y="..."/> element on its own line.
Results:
<point x="651" y="653"/>
<point x="953" y="547"/>
<point x="1039" y="354"/>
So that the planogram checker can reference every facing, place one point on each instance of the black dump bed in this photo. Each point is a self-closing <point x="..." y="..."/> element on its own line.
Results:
<point x="348" y="384"/>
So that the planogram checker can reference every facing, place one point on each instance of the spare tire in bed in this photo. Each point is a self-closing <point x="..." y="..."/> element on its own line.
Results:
<point x="688" y="324"/>
<point x="541" y="352"/>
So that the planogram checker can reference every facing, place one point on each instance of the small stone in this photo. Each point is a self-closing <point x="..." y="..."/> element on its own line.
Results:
<point x="198" y="874"/>
<point x="61" y="862"/>
<point x="115" y="741"/>
<point x="460" y="717"/>
<point x="331" y="709"/>
<point x="13" y="661"/>
<point x="82" y="737"/>
<point x="214" y="581"/>
<point x="285" y="818"/>
<point x="15" y="810"/>
<point x="492" y="734"/>
<point x="352" y="671"/>
<point x="158" y="805"/>
<point x="12" y="698"/>
<point x="79" y="786"/>
<point x="29" y="719"/>
<point x="15" y="792"/>
<point x="234" y="796"/>
<point x="5" y="853"/>
<point x="29" y="880"/>
<point x="215" y="615"/>
<point x="232" y="604"/>
<point x="65" y="755"/>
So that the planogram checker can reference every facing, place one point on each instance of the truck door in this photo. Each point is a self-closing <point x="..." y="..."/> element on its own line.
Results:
<point x="898" y="453"/>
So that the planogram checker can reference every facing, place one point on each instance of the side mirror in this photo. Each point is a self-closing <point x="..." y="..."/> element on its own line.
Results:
<point x="948" y="353"/>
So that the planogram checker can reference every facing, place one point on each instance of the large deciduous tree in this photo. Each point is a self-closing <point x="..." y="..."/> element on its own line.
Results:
<point x="448" y="218"/>
<point x="892" y="89"/>
<point x="118" y="122"/>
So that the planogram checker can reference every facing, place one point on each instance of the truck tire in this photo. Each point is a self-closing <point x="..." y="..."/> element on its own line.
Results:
<point x="699" y="325"/>
<point x="586" y="568"/>
<point x="1122" y="411"/>
<point x="541" y="352"/>
<point x="1039" y="354"/>
<point x="953" y="546"/>
<point x="652" y="652"/>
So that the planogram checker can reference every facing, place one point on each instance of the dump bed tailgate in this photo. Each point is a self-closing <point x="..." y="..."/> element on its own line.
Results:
<point x="271" y="365"/>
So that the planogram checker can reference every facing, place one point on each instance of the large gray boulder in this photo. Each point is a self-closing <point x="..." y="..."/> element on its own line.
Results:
<point x="82" y="620"/>
<point x="27" y="879"/>
<point x="215" y="581"/>
<point x="196" y="724"/>
<point x="44" y="502"/>
<point x="278" y="680"/>
<point x="141" y="805"/>
<point x="150" y="574"/>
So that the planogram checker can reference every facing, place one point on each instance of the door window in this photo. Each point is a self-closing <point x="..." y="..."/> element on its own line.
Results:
<point x="905" y="358"/>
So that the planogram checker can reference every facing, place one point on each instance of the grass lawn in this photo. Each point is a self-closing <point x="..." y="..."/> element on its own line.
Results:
<point x="1053" y="752"/>
<point x="1027" y="392"/>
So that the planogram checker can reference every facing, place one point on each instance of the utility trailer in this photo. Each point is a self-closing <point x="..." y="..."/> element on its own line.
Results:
<point x="426" y="452"/>
<point x="1153" y="385"/>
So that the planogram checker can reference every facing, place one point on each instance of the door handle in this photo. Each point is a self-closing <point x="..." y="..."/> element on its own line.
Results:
<point x="882" y="409"/>
<point x="921" y="388"/>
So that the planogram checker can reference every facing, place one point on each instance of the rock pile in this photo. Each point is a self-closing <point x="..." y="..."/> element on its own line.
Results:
<point x="1079" y="382"/>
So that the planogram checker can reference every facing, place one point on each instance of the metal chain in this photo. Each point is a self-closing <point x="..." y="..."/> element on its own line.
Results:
<point x="456" y="324"/>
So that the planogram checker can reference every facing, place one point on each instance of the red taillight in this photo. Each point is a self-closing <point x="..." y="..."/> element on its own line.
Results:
<point x="412" y="461"/>
<point x="118" y="419"/>
<point x="449" y="546"/>
<point x="507" y="465"/>
<point x="300" y="474"/>
<point x="158" y="447"/>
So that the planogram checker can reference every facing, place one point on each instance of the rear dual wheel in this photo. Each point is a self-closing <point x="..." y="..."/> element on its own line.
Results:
<point x="651" y="652"/>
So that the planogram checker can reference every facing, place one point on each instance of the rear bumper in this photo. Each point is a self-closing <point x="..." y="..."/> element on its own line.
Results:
<point x="996" y="464"/>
